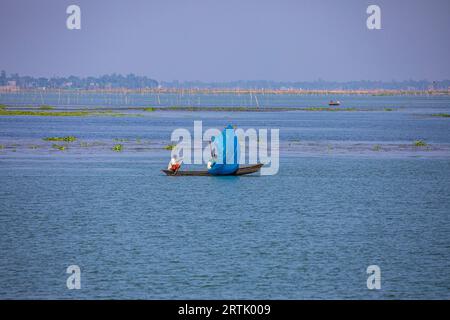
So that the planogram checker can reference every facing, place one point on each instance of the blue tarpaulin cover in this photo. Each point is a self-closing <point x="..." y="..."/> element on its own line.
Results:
<point x="228" y="151"/>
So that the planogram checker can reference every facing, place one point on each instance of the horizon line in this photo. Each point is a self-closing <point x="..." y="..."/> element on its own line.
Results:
<point x="224" y="81"/>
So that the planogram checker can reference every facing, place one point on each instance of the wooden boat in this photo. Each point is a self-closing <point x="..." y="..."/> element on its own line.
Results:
<point x="334" y="103"/>
<point x="241" y="171"/>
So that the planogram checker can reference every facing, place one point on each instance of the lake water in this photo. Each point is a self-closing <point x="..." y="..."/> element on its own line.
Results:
<point x="336" y="206"/>
<point x="74" y="99"/>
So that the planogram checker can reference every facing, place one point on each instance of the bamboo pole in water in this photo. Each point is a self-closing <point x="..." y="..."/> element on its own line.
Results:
<point x="42" y="98"/>
<point x="257" y="103"/>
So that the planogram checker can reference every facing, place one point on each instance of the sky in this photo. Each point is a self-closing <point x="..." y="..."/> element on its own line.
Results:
<point x="217" y="40"/>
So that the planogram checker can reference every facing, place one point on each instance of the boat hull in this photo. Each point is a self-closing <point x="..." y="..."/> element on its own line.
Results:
<point x="199" y="173"/>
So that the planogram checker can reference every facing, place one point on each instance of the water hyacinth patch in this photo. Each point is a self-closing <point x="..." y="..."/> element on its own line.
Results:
<point x="441" y="115"/>
<point x="59" y="147"/>
<point x="169" y="147"/>
<point x="65" y="139"/>
<point x="44" y="113"/>
<point x="420" y="143"/>
<point x="117" y="148"/>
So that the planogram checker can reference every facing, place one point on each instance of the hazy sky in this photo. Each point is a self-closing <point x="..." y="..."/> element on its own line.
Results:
<point x="222" y="40"/>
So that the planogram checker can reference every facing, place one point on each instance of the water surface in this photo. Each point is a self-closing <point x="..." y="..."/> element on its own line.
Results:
<point x="335" y="207"/>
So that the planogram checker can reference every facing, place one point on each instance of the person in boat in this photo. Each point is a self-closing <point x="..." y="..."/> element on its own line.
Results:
<point x="174" y="164"/>
<point x="213" y="158"/>
<point x="211" y="163"/>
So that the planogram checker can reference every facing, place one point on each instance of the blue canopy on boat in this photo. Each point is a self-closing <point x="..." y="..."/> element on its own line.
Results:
<point x="228" y="152"/>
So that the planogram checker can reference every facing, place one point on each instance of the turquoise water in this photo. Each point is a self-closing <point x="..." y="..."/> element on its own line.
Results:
<point x="335" y="207"/>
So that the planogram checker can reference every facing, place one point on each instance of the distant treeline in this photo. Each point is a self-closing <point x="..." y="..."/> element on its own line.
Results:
<point x="130" y="81"/>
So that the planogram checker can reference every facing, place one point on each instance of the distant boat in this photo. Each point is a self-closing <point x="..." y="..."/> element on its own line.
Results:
<point x="334" y="103"/>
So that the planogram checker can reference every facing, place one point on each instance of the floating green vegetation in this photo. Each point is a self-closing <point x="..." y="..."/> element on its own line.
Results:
<point x="113" y="114"/>
<point x="376" y="147"/>
<point x="117" y="148"/>
<point x="169" y="147"/>
<point x="44" y="113"/>
<point x="59" y="147"/>
<point x="420" y="143"/>
<point x="252" y="109"/>
<point x="120" y="139"/>
<point x="66" y="139"/>
<point x="45" y="107"/>
<point x="381" y="94"/>
<point x="2" y="107"/>
<point x="2" y="146"/>
<point x="237" y="109"/>
<point x="388" y="109"/>
<point x="217" y="108"/>
<point x="442" y="115"/>
<point x="227" y="109"/>
<point x="50" y="113"/>
<point x="328" y="109"/>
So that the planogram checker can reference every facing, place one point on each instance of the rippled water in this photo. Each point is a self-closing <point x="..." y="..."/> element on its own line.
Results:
<point x="308" y="232"/>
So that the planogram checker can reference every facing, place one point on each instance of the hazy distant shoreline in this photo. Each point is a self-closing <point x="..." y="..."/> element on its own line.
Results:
<point x="138" y="83"/>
